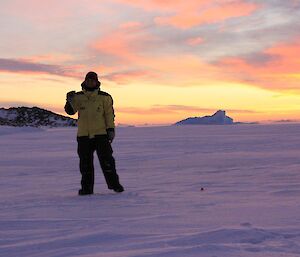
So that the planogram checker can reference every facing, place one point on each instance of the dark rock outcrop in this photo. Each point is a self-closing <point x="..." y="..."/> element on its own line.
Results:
<point x="34" y="117"/>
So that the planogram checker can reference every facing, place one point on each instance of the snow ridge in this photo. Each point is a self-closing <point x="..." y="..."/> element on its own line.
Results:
<point x="218" y="118"/>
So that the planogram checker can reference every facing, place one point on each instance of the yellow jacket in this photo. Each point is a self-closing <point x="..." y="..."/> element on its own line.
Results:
<point x="95" y="112"/>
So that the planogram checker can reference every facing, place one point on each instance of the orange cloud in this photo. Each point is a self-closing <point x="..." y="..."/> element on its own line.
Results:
<point x="124" y="43"/>
<point x="289" y="57"/>
<point x="280" y="72"/>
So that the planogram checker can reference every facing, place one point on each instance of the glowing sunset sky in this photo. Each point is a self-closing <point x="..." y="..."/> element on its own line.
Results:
<point x="162" y="61"/>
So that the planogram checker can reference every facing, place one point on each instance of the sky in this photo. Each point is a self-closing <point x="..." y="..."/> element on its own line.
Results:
<point x="162" y="61"/>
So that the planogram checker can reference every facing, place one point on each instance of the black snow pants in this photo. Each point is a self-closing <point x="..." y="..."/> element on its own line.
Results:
<point x="86" y="148"/>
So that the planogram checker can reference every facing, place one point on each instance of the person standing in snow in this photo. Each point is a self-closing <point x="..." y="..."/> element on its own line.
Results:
<point x="96" y="132"/>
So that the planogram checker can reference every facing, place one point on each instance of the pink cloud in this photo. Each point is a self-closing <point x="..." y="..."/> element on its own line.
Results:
<point x="125" y="43"/>
<point x="35" y="10"/>
<point x="184" y="15"/>
<point x="130" y="25"/>
<point x="166" y="5"/>
<point x="188" y="18"/>
<point x="195" y="41"/>
<point x="54" y="13"/>
<point x="124" y="77"/>
<point x="54" y="58"/>
<point x="279" y="73"/>
<point x="34" y="68"/>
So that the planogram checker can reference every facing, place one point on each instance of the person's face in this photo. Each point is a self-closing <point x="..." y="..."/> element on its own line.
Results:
<point x="91" y="83"/>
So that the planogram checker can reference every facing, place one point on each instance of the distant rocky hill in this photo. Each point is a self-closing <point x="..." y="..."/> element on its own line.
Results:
<point x="34" y="117"/>
<point x="219" y="118"/>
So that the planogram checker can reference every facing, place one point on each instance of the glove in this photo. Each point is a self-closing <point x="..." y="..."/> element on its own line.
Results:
<point x="110" y="134"/>
<point x="70" y="96"/>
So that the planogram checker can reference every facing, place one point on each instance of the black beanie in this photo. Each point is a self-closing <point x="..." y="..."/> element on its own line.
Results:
<point x="91" y="75"/>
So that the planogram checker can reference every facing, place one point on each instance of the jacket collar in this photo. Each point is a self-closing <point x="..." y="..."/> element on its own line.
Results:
<point x="90" y="94"/>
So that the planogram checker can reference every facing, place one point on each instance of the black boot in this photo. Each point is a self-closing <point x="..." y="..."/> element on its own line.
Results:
<point x="118" y="189"/>
<point x="85" y="192"/>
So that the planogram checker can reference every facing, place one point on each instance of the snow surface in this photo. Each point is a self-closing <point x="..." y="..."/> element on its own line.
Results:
<point x="250" y="205"/>
<point x="5" y="130"/>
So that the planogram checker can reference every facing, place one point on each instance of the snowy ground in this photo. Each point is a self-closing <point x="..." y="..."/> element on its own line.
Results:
<point x="250" y="205"/>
